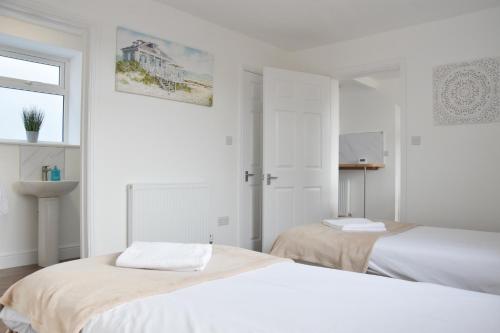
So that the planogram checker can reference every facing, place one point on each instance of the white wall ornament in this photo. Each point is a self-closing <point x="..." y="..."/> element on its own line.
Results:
<point x="467" y="92"/>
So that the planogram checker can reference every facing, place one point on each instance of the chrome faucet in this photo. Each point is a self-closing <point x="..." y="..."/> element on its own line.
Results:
<point x="45" y="172"/>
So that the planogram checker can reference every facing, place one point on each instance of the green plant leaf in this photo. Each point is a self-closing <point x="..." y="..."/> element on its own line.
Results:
<point x="33" y="118"/>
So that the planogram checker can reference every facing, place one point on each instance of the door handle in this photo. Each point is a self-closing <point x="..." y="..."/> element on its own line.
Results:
<point x="247" y="175"/>
<point x="269" y="178"/>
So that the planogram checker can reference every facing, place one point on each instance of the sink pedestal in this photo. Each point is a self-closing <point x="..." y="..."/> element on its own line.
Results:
<point x="48" y="231"/>
<point x="48" y="194"/>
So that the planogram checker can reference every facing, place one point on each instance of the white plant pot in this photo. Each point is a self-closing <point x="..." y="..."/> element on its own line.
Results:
<point x="32" y="136"/>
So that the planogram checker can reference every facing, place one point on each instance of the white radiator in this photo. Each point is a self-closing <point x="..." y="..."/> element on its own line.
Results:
<point x="168" y="212"/>
<point x="344" y="197"/>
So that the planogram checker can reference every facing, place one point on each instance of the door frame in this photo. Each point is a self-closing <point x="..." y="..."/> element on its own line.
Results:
<point x="241" y="169"/>
<point x="57" y="19"/>
<point x="350" y="72"/>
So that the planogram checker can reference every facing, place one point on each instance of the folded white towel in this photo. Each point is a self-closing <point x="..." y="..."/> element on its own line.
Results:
<point x="166" y="256"/>
<point x="355" y="224"/>
<point x="348" y="220"/>
<point x="376" y="228"/>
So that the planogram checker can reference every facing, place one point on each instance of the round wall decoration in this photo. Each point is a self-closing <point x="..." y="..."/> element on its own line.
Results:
<point x="467" y="92"/>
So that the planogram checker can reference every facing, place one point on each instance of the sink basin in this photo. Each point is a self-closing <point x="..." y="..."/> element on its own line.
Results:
<point x="45" y="189"/>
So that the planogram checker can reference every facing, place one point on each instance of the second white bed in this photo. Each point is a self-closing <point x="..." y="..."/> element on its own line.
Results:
<point x="454" y="257"/>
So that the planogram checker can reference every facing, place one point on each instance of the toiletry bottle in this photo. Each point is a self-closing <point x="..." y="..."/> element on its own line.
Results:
<point x="55" y="174"/>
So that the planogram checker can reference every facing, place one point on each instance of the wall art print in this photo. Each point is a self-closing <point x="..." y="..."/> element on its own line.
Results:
<point x="467" y="92"/>
<point x="151" y="66"/>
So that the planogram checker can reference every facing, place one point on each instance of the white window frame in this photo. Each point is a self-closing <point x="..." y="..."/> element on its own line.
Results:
<point x="62" y="89"/>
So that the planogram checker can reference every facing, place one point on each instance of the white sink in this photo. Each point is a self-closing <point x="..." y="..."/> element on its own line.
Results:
<point x="45" y="189"/>
<point x="48" y="194"/>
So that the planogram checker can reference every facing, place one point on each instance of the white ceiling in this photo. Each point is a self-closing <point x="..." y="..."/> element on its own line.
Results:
<point x="300" y="24"/>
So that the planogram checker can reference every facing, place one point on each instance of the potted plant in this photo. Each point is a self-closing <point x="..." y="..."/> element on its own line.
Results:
<point x="33" y="119"/>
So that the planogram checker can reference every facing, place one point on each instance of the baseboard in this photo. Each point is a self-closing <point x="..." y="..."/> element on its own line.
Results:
<point x="9" y="260"/>
<point x="71" y="251"/>
<point x="24" y="258"/>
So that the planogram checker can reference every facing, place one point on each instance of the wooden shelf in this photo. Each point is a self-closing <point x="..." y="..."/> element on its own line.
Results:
<point x="356" y="166"/>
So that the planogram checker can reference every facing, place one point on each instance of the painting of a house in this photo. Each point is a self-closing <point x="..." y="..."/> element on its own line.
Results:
<point x="150" y="66"/>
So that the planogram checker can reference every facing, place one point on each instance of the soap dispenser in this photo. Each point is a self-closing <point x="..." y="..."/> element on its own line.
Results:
<point x="55" y="174"/>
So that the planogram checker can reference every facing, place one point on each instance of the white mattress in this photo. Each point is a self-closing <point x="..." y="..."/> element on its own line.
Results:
<point x="293" y="298"/>
<point x="453" y="257"/>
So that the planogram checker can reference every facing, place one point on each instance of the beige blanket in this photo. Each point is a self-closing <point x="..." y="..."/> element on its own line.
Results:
<point x="62" y="298"/>
<point x="329" y="247"/>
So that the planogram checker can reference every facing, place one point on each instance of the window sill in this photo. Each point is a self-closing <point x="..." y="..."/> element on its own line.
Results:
<point x="39" y="144"/>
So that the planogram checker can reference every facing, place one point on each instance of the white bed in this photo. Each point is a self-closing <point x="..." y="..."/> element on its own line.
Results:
<point x="458" y="258"/>
<point x="453" y="257"/>
<point x="290" y="297"/>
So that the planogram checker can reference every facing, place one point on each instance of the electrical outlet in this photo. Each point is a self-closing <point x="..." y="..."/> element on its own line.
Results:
<point x="416" y="140"/>
<point x="222" y="221"/>
<point x="229" y="140"/>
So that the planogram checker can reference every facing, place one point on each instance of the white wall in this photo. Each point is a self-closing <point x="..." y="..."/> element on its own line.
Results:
<point x="21" y="30"/>
<point x="19" y="228"/>
<point x="144" y="139"/>
<point x="365" y="109"/>
<point x="452" y="178"/>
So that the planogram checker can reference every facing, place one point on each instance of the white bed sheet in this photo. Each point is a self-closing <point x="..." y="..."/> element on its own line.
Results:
<point x="293" y="298"/>
<point x="453" y="257"/>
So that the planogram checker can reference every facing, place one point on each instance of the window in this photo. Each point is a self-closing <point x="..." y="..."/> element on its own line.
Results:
<point x="28" y="79"/>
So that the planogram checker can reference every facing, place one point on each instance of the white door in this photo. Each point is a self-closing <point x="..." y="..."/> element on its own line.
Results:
<point x="251" y="162"/>
<point x="299" y="164"/>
